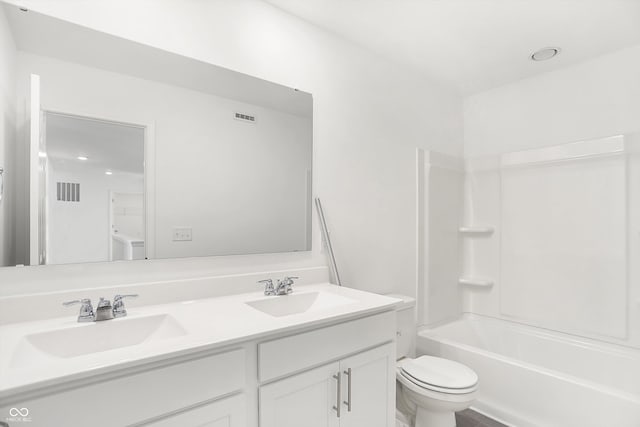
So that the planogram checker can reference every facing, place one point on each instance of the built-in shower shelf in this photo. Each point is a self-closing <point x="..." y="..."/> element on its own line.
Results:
<point x="471" y="281"/>
<point x="476" y="231"/>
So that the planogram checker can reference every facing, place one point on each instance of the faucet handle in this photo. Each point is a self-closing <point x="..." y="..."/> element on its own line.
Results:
<point x="119" y="309"/>
<point x="284" y="285"/>
<point x="86" y="313"/>
<point x="77" y="301"/>
<point x="268" y="286"/>
<point x="120" y="297"/>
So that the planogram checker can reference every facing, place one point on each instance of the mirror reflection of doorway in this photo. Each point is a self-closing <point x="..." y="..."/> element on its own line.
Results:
<point x="126" y="226"/>
<point x="88" y="162"/>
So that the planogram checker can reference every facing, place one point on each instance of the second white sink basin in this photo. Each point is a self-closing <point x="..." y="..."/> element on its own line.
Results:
<point x="286" y="305"/>
<point x="96" y="337"/>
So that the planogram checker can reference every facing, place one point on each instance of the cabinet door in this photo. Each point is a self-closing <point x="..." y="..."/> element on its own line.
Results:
<point x="369" y="388"/>
<point x="229" y="412"/>
<point x="144" y="395"/>
<point x="306" y="399"/>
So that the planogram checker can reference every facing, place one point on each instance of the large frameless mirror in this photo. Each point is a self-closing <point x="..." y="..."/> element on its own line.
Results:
<point x="121" y="151"/>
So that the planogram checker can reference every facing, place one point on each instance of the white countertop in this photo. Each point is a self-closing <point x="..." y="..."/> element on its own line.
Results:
<point x="208" y="324"/>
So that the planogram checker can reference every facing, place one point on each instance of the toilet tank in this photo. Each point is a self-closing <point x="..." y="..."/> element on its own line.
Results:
<point x="406" y="326"/>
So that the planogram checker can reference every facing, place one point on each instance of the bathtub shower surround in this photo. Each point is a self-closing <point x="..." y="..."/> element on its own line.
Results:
<point x="549" y="283"/>
<point x="439" y="194"/>
<point x="566" y="219"/>
<point x="531" y="377"/>
<point x="563" y="238"/>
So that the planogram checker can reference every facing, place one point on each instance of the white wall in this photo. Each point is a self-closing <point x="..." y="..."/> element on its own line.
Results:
<point x="79" y="231"/>
<point x="240" y="187"/>
<point x="594" y="99"/>
<point x="369" y="116"/>
<point x="7" y="141"/>
<point x="578" y="211"/>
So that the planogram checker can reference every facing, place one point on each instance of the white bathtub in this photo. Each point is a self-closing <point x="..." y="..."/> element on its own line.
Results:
<point x="531" y="377"/>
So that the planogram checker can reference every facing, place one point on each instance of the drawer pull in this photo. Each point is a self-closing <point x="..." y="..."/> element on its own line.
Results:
<point x="348" y="401"/>
<point x="339" y="394"/>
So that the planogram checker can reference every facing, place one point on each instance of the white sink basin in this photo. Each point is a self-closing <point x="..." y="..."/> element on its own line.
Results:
<point x="287" y="305"/>
<point x="97" y="337"/>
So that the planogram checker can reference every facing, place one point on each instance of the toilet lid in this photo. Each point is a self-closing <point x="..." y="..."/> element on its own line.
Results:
<point x="441" y="373"/>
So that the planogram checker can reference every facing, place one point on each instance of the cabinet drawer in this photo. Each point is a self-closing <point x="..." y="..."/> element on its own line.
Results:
<point x="229" y="412"/>
<point x="142" y="395"/>
<point x="294" y="353"/>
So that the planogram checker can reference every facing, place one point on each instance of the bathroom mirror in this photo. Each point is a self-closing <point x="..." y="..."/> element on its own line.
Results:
<point x="121" y="151"/>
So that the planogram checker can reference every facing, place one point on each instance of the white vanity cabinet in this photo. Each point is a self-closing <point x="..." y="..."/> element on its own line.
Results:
<point x="191" y="390"/>
<point x="373" y="386"/>
<point x="357" y="389"/>
<point x="305" y="399"/>
<point x="360" y="387"/>
<point x="295" y="378"/>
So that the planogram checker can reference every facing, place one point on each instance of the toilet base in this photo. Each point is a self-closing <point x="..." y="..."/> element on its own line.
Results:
<point x="428" y="408"/>
<point x="426" y="418"/>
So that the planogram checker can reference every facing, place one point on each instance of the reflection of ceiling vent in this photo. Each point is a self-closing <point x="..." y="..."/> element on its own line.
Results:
<point x="245" y="118"/>
<point x="68" y="191"/>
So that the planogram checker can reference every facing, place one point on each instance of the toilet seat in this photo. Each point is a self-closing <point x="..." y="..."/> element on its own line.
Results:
<point x="431" y="387"/>
<point x="438" y="396"/>
<point x="438" y="374"/>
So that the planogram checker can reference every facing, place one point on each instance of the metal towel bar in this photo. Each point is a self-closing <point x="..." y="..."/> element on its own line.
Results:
<point x="1" y="183"/>
<point x="327" y="241"/>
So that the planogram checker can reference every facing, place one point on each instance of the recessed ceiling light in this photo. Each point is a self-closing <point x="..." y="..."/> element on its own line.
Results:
<point x="108" y="173"/>
<point x="82" y="158"/>
<point x="545" y="53"/>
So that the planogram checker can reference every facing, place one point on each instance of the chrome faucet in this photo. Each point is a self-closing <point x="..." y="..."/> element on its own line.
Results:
<point x="86" y="309"/>
<point x="268" y="287"/>
<point x="104" y="311"/>
<point x="284" y="285"/>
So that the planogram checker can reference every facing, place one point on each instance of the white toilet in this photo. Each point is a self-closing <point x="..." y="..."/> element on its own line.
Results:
<point x="428" y="389"/>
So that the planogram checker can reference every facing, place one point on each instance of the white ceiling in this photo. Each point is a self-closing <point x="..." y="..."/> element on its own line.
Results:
<point x="474" y="45"/>
<point x="108" y="146"/>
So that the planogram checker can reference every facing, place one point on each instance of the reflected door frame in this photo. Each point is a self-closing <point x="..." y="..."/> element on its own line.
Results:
<point x="35" y="140"/>
<point x="149" y="169"/>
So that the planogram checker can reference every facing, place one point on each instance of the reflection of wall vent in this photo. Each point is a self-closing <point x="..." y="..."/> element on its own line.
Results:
<point x="68" y="191"/>
<point x="245" y="117"/>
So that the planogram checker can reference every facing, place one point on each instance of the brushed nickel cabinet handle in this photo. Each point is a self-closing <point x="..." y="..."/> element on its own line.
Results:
<point x="339" y="396"/>
<point x="348" y="401"/>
